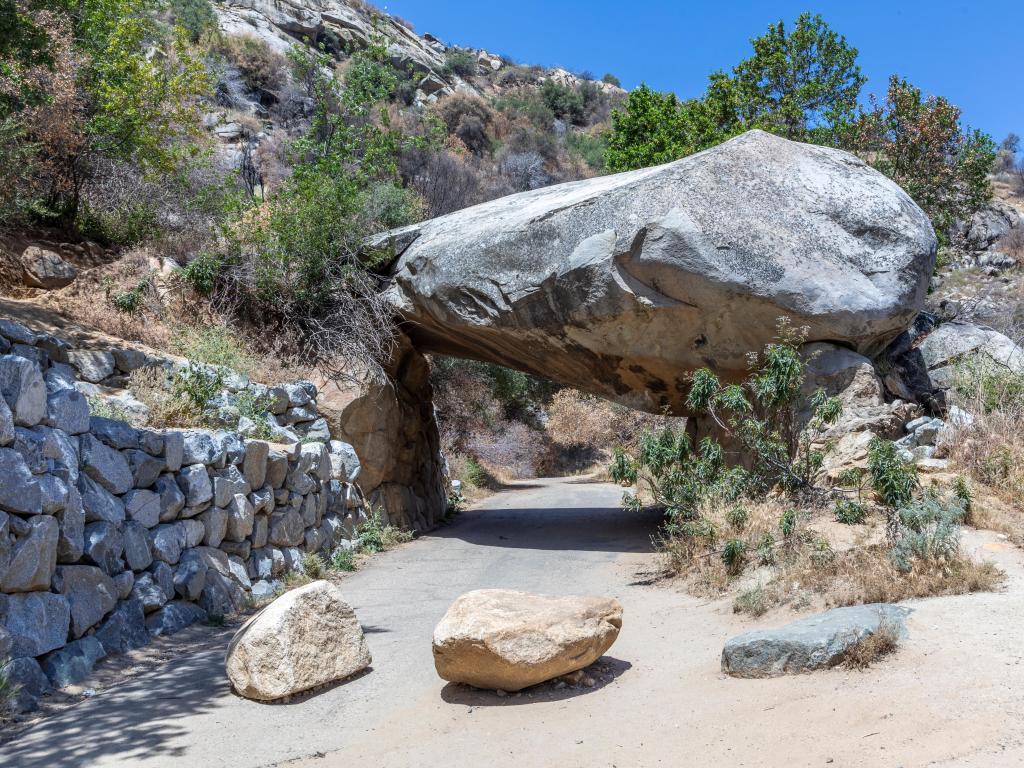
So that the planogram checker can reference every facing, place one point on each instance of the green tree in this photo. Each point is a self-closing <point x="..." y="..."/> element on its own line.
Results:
<point x="920" y="143"/>
<point x="654" y="128"/>
<point x="295" y="262"/>
<point x="799" y="83"/>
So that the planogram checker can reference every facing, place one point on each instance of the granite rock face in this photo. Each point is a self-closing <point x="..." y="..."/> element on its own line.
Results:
<point x="620" y="285"/>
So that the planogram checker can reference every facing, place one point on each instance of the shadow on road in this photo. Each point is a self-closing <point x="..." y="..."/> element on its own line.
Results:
<point x="609" y="529"/>
<point x="604" y="671"/>
<point x="135" y="720"/>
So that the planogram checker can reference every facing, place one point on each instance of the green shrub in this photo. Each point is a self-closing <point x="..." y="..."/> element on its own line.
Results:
<point x="460" y="62"/>
<point x="893" y="479"/>
<point x="733" y="553"/>
<point x="590" y="148"/>
<point x="129" y="302"/>
<point x="313" y="565"/>
<point x="201" y="273"/>
<point x="929" y="530"/>
<point x="123" y="225"/>
<point x="623" y="468"/>
<point x="564" y="102"/>
<point x="787" y="522"/>
<point x="343" y="560"/>
<point x="196" y="17"/>
<point x="753" y="602"/>
<point x="737" y="517"/>
<point x="475" y="474"/>
<point x="374" y="536"/>
<point x="611" y="80"/>
<point x="198" y="384"/>
<point x="213" y="344"/>
<point x="849" y="512"/>
<point x="962" y="493"/>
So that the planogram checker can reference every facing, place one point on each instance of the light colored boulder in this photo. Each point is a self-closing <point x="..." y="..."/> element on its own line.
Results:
<point x="620" y="285"/>
<point x="105" y="465"/>
<point x="508" y="640"/>
<point x="67" y="410"/>
<point x="33" y="558"/>
<point x="143" y="507"/>
<point x="94" y="365"/>
<point x="137" y="552"/>
<point x="46" y="269"/>
<point x="195" y="484"/>
<point x="306" y="638"/>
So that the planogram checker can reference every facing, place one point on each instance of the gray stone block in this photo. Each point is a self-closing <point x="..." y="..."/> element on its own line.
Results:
<point x="73" y="663"/>
<point x="38" y="622"/>
<point x="22" y="387"/>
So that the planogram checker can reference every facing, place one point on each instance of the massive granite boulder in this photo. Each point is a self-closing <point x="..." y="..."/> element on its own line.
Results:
<point x="621" y="285"/>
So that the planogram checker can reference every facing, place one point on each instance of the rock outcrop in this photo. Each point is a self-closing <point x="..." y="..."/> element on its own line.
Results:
<point x="816" y="642"/>
<point x="506" y="640"/>
<point x="622" y="284"/>
<point x="306" y="638"/>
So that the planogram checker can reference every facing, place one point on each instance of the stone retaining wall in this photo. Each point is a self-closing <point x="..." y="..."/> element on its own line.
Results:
<point x="111" y="534"/>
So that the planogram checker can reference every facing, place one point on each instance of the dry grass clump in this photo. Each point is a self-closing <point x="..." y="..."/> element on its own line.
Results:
<point x="990" y="451"/>
<point x="880" y="643"/>
<point x="167" y="408"/>
<point x="868" y="575"/>
<point x="798" y="562"/>
<point x="584" y="428"/>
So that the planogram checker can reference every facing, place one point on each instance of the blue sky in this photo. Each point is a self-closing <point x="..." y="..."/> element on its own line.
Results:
<point x="971" y="53"/>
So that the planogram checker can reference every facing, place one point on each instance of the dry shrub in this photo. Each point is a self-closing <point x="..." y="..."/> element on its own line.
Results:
<point x="167" y="409"/>
<point x="868" y="576"/>
<point x="991" y="450"/>
<point x="584" y="428"/>
<point x="260" y="65"/>
<point x="880" y="643"/>
<point x="511" y="451"/>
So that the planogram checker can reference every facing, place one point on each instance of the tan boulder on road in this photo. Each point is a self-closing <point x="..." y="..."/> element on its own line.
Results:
<point x="306" y="638"/>
<point x="507" y="640"/>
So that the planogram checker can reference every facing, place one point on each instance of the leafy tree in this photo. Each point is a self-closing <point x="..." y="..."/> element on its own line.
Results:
<point x="801" y="82"/>
<point x="611" y="79"/>
<point x="921" y="144"/>
<point x="566" y="103"/>
<point x="196" y="17"/>
<point x="96" y="79"/>
<point x="654" y="128"/>
<point x="295" y="262"/>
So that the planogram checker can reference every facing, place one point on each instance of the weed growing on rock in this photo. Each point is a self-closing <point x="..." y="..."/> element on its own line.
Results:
<point x="374" y="536"/>
<point x="850" y="512"/>
<point x="313" y="566"/>
<point x="753" y="602"/>
<point x="883" y="641"/>
<point x="343" y="560"/>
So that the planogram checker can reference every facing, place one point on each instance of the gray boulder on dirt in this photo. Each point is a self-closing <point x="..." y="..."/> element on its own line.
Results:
<point x="620" y="285"/>
<point x="46" y="269"/>
<point x="816" y="642"/>
<point x="93" y="365"/>
<point x="989" y="224"/>
<point x="957" y="340"/>
<point x="306" y="638"/>
<point x="125" y="628"/>
<point x="67" y="410"/>
<point x="508" y="640"/>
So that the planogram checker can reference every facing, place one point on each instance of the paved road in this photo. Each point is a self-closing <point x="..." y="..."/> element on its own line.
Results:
<point x="548" y="536"/>
<point x="953" y="696"/>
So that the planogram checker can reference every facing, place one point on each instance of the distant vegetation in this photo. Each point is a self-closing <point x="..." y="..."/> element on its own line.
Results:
<point x="804" y="83"/>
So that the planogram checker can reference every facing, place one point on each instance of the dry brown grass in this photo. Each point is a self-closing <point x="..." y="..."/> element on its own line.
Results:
<point x="868" y="575"/>
<point x="882" y="642"/>
<point x="991" y="450"/>
<point x="808" y="563"/>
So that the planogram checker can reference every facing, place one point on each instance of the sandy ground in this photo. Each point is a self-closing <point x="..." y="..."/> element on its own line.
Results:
<point x="952" y="696"/>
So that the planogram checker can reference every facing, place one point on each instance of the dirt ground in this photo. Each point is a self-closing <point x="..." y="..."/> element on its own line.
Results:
<point x="953" y="695"/>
